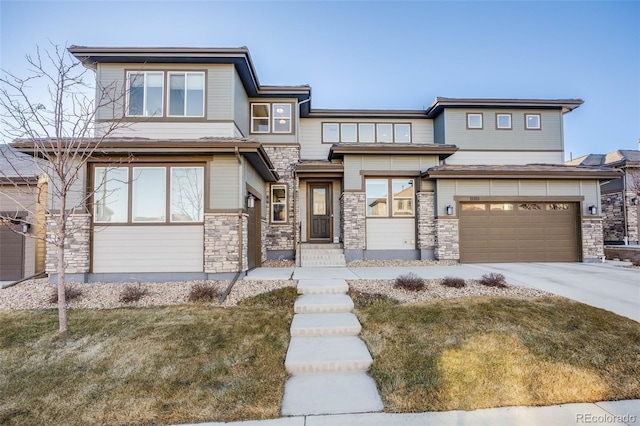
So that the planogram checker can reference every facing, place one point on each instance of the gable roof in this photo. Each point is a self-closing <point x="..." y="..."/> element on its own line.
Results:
<point x="16" y="166"/>
<point x="620" y="157"/>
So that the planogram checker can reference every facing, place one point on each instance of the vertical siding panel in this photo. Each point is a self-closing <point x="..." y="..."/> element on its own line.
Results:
<point x="438" y="129"/>
<point x="224" y="172"/>
<point x="240" y="105"/>
<point x="220" y="94"/>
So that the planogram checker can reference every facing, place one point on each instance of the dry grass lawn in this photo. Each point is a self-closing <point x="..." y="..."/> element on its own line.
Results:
<point x="165" y="365"/>
<point x="496" y="351"/>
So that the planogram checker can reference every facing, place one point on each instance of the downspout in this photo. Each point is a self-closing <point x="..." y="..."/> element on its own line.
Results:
<point x="297" y="227"/>
<point x="241" y="196"/>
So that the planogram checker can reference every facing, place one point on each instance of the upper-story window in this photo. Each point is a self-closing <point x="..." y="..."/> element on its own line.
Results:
<point x="186" y="94"/>
<point x="532" y="121"/>
<point x="270" y="118"/>
<point x="503" y="121"/>
<point x="366" y="132"/>
<point x="145" y="93"/>
<point x="474" y="121"/>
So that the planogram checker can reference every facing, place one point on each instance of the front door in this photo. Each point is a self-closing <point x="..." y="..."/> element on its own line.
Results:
<point x="320" y="211"/>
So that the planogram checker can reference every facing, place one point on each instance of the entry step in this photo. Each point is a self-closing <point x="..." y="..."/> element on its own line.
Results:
<point x="326" y="286"/>
<point x="323" y="303"/>
<point x="342" y="324"/>
<point x="327" y="354"/>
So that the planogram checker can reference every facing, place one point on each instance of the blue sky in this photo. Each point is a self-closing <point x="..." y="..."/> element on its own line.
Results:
<point x="385" y="54"/>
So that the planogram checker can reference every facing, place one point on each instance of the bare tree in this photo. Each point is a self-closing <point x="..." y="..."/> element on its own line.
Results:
<point x="57" y="129"/>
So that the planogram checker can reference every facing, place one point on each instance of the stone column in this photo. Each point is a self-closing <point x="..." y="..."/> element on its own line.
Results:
<point x="447" y="239"/>
<point x="426" y="225"/>
<point x="592" y="239"/>
<point x="221" y="242"/>
<point x="77" y="248"/>
<point x="354" y="224"/>
<point x="632" y="219"/>
<point x="613" y="217"/>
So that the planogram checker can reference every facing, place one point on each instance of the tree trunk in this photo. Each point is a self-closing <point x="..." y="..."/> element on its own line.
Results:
<point x="62" y="299"/>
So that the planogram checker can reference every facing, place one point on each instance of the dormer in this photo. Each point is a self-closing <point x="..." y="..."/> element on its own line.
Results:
<point x="190" y="92"/>
<point x="502" y="131"/>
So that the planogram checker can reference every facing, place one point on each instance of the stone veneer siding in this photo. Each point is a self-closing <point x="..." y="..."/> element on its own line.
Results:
<point x="613" y="215"/>
<point x="284" y="159"/>
<point x="426" y="222"/>
<point x="447" y="239"/>
<point x="221" y="238"/>
<point x="353" y="220"/>
<point x="592" y="239"/>
<point x="77" y="249"/>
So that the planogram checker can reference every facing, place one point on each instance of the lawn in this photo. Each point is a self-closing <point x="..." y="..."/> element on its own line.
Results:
<point x="135" y="366"/>
<point x="469" y="353"/>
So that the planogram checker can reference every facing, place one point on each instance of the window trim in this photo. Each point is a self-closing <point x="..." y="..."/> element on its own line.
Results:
<point x="268" y="118"/>
<point x="526" y="122"/>
<point x="272" y="203"/>
<point x="127" y="106"/>
<point x="130" y="180"/>
<point x="273" y="120"/>
<point x="469" y="126"/>
<point x="503" y="114"/>
<point x="168" y="94"/>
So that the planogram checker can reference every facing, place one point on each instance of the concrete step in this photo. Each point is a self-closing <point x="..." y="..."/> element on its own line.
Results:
<point x="330" y="393"/>
<point x="323" y="286"/>
<point x="322" y="264"/>
<point x="320" y="246"/>
<point x="307" y="325"/>
<point x="327" y="354"/>
<point x="323" y="303"/>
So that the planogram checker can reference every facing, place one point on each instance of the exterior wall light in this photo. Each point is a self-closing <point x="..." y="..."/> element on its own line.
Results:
<point x="593" y="209"/>
<point x="251" y="201"/>
<point x="25" y="227"/>
<point x="449" y="209"/>
<point x="634" y="201"/>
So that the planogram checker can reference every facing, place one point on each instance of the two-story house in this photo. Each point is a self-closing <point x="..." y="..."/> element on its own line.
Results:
<point x="223" y="173"/>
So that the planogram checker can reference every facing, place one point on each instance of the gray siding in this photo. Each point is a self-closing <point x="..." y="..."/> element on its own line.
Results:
<point x="548" y="138"/>
<point x="120" y="249"/>
<point x="448" y="188"/>
<point x="438" y="129"/>
<point x="224" y="185"/>
<point x="252" y="178"/>
<point x="76" y="193"/>
<point x="391" y="234"/>
<point x="354" y="164"/>
<point x="240" y="106"/>
<point x="506" y="157"/>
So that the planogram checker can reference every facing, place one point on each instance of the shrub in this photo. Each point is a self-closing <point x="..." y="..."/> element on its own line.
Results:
<point x="410" y="282"/>
<point x="133" y="293"/>
<point x="70" y="294"/>
<point x="493" y="280"/>
<point x="203" y="293"/>
<point x="453" y="282"/>
<point x="363" y="299"/>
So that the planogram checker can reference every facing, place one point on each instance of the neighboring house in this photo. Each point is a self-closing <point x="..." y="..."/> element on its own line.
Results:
<point x="20" y="256"/>
<point x="620" y="196"/>
<point x="226" y="173"/>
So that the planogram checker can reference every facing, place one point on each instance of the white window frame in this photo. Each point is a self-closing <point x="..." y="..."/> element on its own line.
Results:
<point x="284" y="204"/>
<point x="144" y="93"/>
<point x="474" y="127"/>
<point x="324" y="133"/>
<point x="380" y="126"/>
<point x="355" y="129"/>
<point x="498" y="116"/>
<point x="268" y="118"/>
<point x="288" y="118"/>
<point x="373" y="127"/>
<point x="185" y="74"/>
<point x="395" y="132"/>
<point x="526" y="122"/>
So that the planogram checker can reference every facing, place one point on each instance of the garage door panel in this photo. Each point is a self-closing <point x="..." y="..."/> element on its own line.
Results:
<point x="11" y="254"/>
<point x="531" y="232"/>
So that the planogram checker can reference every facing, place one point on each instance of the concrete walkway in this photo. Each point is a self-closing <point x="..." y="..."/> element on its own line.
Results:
<point x="599" y="413"/>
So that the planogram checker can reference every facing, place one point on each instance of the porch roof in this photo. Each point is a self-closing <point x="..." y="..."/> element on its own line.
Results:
<point x="527" y="171"/>
<point x="339" y="150"/>
<point x="309" y="168"/>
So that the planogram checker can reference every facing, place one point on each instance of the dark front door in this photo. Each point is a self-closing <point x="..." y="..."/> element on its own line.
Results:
<point x="253" y="236"/>
<point x="320" y="211"/>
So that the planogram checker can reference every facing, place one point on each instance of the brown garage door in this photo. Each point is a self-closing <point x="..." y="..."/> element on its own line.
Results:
<point x="519" y="232"/>
<point x="11" y="254"/>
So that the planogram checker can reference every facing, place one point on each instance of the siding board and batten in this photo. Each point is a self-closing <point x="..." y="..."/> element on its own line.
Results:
<point x="224" y="172"/>
<point x="391" y="234"/>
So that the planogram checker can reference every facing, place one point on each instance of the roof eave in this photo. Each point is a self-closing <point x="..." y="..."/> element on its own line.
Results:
<point x="440" y="103"/>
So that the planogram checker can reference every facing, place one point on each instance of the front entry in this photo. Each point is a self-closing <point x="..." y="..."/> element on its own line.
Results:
<point x="320" y="212"/>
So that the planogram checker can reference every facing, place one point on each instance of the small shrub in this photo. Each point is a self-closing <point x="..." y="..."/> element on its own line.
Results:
<point x="203" y="293"/>
<point x="363" y="300"/>
<point x="133" y="293"/>
<point x="70" y="294"/>
<point x="493" y="280"/>
<point x="410" y="282"/>
<point x="453" y="282"/>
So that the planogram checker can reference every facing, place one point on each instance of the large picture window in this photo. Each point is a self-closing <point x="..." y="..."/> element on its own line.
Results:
<point x="145" y="93"/>
<point x="278" y="203"/>
<point x="149" y="194"/>
<point x="186" y="94"/>
<point x="402" y="197"/>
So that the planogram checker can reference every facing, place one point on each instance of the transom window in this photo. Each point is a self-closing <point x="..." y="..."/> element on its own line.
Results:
<point x="503" y="121"/>
<point x="279" y="203"/>
<point x="366" y="132"/>
<point x="532" y="121"/>
<point x="159" y="194"/>
<point x="402" y="197"/>
<point x="271" y="118"/>
<point x="186" y="94"/>
<point x="474" y="121"/>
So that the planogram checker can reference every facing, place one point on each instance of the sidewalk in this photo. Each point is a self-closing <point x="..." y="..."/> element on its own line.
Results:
<point x="599" y="413"/>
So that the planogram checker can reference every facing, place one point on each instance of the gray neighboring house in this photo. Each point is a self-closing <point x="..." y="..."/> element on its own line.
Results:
<point x="223" y="173"/>
<point x="20" y="256"/>
<point x="620" y="196"/>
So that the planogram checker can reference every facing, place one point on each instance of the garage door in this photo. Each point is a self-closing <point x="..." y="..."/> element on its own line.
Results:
<point x="519" y="232"/>
<point x="11" y="254"/>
